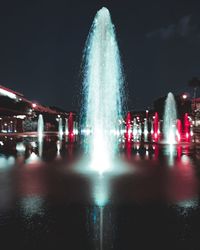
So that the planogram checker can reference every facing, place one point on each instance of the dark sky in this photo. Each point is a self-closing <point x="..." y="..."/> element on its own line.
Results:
<point x="41" y="47"/>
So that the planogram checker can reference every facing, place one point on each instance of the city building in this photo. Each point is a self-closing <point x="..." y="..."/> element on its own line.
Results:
<point x="18" y="114"/>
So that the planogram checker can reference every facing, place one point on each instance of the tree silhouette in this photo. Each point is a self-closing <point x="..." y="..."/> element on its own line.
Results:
<point x="195" y="84"/>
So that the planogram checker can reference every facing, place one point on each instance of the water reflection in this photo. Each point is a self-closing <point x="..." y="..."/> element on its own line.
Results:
<point x="59" y="145"/>
<point x="32" y="158"/>
<point x="6" y="162"/>
<point x="6" y="188"/>
<point x="100" y="189"/>
<point x="170" y="152"/>
<point x="161" y="192"/>
<point x="32" y="205"/>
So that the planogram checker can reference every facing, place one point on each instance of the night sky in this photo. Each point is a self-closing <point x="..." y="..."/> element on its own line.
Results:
<point x="41" y="46"/>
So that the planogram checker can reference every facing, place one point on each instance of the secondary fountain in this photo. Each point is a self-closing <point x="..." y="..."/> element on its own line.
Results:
<point x="60" y="129"/>
<point x="128" y="134"/>
<point x="40" y="133"/>
<point x="103" y="92"/>
<point x="71" y="127"/>
<point x="170" y="119"/>
<point x="156" y="127"/>
<point x="146" y="132"/>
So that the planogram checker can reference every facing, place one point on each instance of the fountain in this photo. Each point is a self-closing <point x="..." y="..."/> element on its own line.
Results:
<point x="156" y="127"/>
<point x="66" y="128"/>
<point x="128" y="134"/>
<point x="40" y="128"/>
<point x="134" y="129"/>
<point x="179" y="130"/>
<point x="60" y="129"/>
<point x="71" y="127"/>
<point x="146" y="131"/>
<point x="169" y="121"/>
<point x="40" y="132"/>
<point x="103" y="91"/>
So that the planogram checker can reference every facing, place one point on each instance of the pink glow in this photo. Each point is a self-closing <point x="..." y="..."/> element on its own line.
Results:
<point x="71" y="127"/>
<point x="179" y="130"/>
<point x="128" y="134"/>
<point x="156" y="127"/>
<point x="187" y="127"/>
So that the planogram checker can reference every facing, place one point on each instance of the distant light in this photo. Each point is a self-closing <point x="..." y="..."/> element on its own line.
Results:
<point x="20" y="116"/>
<point x="34" y="105"/>
<point x="184" y="96"/>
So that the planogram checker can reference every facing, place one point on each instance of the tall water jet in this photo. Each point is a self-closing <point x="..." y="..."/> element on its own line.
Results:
<point x="40" y="133"/>
<point x="169" y="121"/>
<point x="103" y="90"/>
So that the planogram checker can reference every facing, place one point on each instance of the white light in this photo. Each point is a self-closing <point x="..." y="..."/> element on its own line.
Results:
<point x="184" y="96"/>
<point x="21" y="116"/>
<point x="100" y="157"/>
<point x="7" y="93"/>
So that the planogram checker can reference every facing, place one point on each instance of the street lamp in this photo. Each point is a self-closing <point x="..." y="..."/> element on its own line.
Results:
<point x="184" y="96"/>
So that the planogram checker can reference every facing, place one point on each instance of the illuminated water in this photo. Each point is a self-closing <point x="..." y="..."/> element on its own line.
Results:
<point x="146" y="130"/>
<point x="40" y="128"/>
<point x="103" y="92"/>
<point x="66" y="127"/>
<point x="60" y="129"/>
<point x="169" y="120"/>
<point x="40" y="132"/>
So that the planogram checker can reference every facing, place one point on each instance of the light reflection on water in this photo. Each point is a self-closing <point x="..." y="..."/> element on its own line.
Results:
<point x="30" y="181"/>
<point x="32" y="205"/>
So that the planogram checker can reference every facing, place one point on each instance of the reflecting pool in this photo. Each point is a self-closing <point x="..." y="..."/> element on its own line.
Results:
<point x="48" y="200"/>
